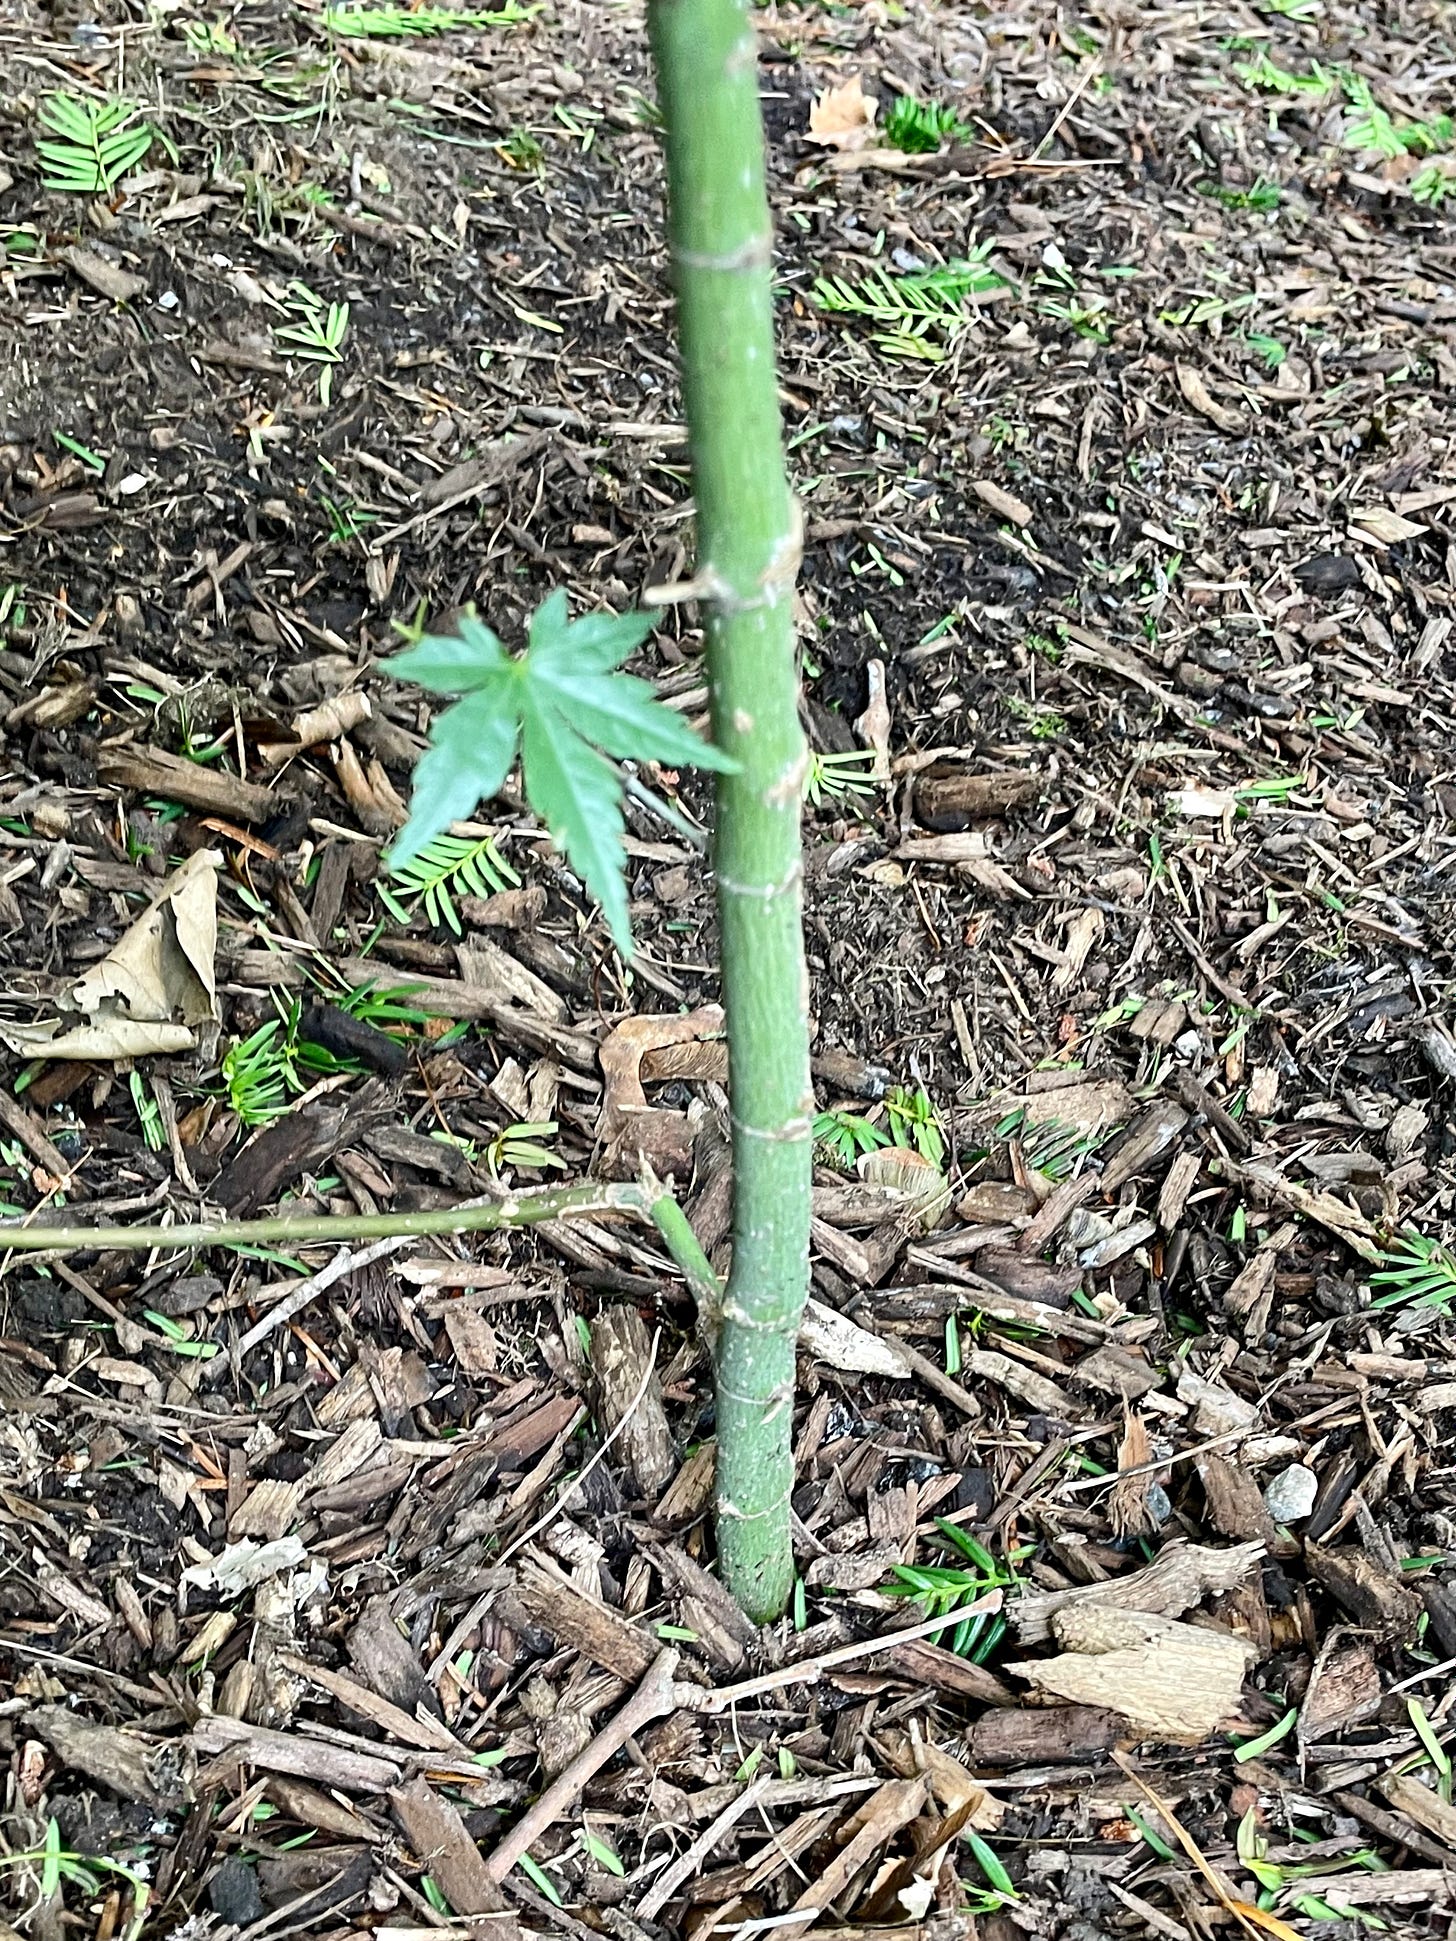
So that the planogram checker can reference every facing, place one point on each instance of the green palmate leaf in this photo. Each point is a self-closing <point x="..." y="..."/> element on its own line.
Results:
<point x="567" y="709"/>
<point x="454" y="664"/>
<point x="470" y="754"/>
<point x="579" y="796"/>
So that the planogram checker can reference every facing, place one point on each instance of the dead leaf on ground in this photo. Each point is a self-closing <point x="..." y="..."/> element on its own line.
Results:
<point x="631" y="1129"/>
<point x="927" y="1195"/>
<point x="1389" y="528"/>
<point x="873" y="726"/>
<point x="1197" y="393"/>
<point x="151" y="991"/>
<point x="843" y="117"/>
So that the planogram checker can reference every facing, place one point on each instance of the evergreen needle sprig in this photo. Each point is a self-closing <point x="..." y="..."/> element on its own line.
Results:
<point x="92" y="144"/>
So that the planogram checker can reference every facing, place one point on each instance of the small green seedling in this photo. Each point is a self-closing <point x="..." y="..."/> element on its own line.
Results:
<point x="566" y="710"/>
<point x="918" y="314"/>
<point x="316" y="334"/>
<point x="1267" y="75"/>
<point x="839" y="776"/>
<point x="520" y="1145"/>
<point x="919" y="127"/>
<point x="93" y="461"/>
<point x="599" y="1851"/>
<point x="522" y="151"/>
<point x="177" y="1337"/>
<point x="93" y="143"/>
<point x="208" y="37"/>
<point x="840" y="1138"/>
<point x="1276" y="1879"/>
<point x="1372" y="130"/>
<point x="260" y="1074"/>
<point x="1435" y="1751"/>
<point x="915" y="1123"/>
<point x="1433" y="184"/>
<point x="442" y="869"/>
<point x="56" y="1865"/>
<point x="148" y="1113"/>
<point x="1049" y="1146"/>
<point x="1417" y="1273"/>
<point x="941" y="1590"/>
<point x="1262" y="195"/>
<point x="419" y="23"/>
<point x="383" y="1008"/>
<point x="541" y="1880"/>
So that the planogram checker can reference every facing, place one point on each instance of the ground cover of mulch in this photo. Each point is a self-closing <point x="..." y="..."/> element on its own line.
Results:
<point x="361" y="1589"/>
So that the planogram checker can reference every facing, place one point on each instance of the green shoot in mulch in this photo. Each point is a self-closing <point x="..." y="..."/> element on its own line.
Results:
<point x="1262" y="195"/>
<point x="565" y="709"/>
<point x="520" y="1145"/>
<point x="383" y="1008"/>
<point x="1050" y="1147"/>
<point x="1267" y="74"/>
<point x="178" y="1340"/>
<point x="919" y="127"/>
<point x="839" y="776"/>
<point x="316" y="334"/>
<point x="260" y="1074"/>
<point x="444" y="868"/>
<point x="918" y="314"/>
<point x="1371" y="130"/>
<point x="840" y="1137"/>
<point x="1275" y="1879"/>
<point x="1433" y="184"/>
<point x="148" y="1113"/>
<point x="95" y="143"/>
<point x="914" y="1123"/>
<point x="56" y="1864"/>
<point x="419" y="23"/>
<point x="942" y="1590"/>
<point x="263" y="1073"/>
<point x="1001" y="1888"/>
<point x="1418" y="1273"/>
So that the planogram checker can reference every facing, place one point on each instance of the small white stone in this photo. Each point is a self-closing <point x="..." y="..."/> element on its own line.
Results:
<point x="1290" y="1497"/>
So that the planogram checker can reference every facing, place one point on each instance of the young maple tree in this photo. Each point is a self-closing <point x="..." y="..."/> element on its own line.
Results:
<point x="569" y="712"/>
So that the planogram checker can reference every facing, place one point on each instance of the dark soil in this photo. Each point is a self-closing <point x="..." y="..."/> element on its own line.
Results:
<point x="1151" y="546"/>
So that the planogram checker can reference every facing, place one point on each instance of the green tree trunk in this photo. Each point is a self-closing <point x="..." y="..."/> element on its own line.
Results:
<point x="749" y="544"/>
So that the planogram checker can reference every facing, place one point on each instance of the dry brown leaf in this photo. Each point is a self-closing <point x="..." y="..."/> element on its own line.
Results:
<point x="1377" y="522"/>
<point x="1197" y="393"/>
<point x="622" y="1052"/>
<point x="924" y="1186"/>
<point x="954" y="1788"/>
<point x="843" y="117"/>
<point x="1127" y="1505"/>
<point x="634" y="1131"/>
<point x="873" y="726"/>
<point x="327" y="722"/>
<point x="149" y="993"/>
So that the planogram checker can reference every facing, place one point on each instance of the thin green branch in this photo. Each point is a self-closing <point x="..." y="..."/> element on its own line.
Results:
<point x="529" y="1208"/>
